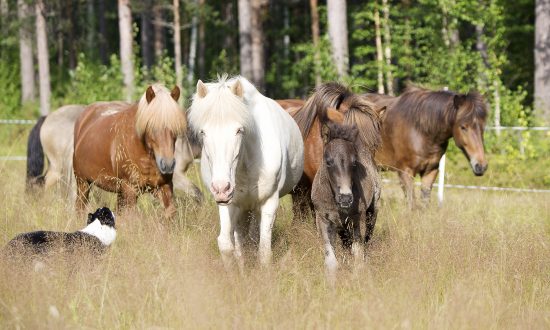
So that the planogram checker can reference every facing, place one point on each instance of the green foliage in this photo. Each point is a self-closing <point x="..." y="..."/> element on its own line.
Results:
<point x="91" y="82"/>
<point x="10" y="102"/>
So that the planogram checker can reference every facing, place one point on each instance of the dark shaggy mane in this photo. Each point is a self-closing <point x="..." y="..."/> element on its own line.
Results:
<point x="357" y="111"/>
<point x="328" y="95"/>
<point x="430" y="111"/>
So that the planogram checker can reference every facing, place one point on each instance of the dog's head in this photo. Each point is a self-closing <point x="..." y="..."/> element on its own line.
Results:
<point x="105" y="216"/>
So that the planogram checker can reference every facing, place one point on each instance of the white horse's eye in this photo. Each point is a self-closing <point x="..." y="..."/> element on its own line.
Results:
<point x="201" y="132"/>
<point x="240" y="131"/>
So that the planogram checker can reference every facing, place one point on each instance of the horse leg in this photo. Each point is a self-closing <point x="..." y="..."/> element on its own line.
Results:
<point x="126" y="198"/>
<point x="328" y="235"/>
<point x="356" y="245"/>
<point x="181" y="182"/>
<point x="229" y="215"/>
<point x="52" y="176"/>
<point x="426" y="187"/>
<point x="268" y="210"/>
<point x="370" y="221"/>
<point x="166" y="195"/>
<point x="406" y="178"/>
<point x="83" y="191"/>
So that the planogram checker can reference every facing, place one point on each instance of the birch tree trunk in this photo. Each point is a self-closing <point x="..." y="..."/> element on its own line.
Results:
<point x="25" y="52"/>
<point x="193" y="47"/>
<point x="481" y="47"/>
<point x="379" y="53"/>
<point x="315" y="36"/>
<point x="126" y="56"/>
<point x="338" y="33"/>
<point x="43" y="58"/>
<point x="177" y="43"/>
<point x="542" y="59"/>
<point x="258" y="65"/>
<point x="387" y="48"/>
<point x="245" y="38"/>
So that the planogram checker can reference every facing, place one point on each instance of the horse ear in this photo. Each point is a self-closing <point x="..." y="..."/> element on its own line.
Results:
<point x="175" y="93"/>
<point x="325" y="133"/>
<point x="237" y="89"/>
<point x="149" y="94"/>
<point x="459" y="100"/>
<point x="202" y="90"/>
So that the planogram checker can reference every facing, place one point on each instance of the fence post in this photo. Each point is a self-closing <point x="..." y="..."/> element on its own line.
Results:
<point x="441" y="180"/>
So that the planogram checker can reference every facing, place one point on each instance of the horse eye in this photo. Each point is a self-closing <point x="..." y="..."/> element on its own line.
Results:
<point x="201" y="132"/>
<point x="240" y="131"/>
<point x="462" y="127"/>
<point x="329" y="162"/>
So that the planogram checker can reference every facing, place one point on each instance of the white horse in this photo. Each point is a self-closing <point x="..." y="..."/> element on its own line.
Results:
<point x="252" y="155"/>
<point x="55" y="137"/>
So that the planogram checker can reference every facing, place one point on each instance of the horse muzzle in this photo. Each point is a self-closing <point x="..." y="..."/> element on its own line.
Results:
<point x="166" y="166"/>
<point x="223" y="192"/>
<point x="344" y="201"/>
<point x="478" y="168"/>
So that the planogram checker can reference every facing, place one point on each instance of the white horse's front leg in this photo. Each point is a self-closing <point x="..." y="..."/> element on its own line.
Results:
<point x="328" y="234"/>
<point x="229" y="215"/>
<point x="268" y="210"/>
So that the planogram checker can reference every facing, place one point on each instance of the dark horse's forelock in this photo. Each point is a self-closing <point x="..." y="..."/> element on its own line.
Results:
<point x="357" y="111"/>
<point x="343" y="132"/>
<point x="429" y="111"/>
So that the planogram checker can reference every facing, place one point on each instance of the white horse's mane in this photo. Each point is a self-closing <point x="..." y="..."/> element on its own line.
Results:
<point x="162" y="112"/>
<point x="221" y="105"/>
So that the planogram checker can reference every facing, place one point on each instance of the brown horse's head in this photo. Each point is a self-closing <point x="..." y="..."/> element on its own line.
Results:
<point x="471" y="113"/>
<point x="339" y="158"/>
<point x="159" y="122"/>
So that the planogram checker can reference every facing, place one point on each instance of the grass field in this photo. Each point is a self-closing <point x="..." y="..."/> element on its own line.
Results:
<point x="481" y="261"/>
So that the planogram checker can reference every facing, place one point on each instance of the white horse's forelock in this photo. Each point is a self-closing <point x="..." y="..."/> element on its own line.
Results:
<point x="219" y="106"/>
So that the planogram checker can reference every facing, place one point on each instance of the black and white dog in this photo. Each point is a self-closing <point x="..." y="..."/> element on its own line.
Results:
<point x="99" y="233"/>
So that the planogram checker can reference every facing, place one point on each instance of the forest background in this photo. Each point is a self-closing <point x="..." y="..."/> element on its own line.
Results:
<point x="58" y="52"/>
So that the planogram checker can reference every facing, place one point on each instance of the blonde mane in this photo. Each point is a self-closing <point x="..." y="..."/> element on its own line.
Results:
<point x="219" y="106"/>
<point x="162" y="112"/>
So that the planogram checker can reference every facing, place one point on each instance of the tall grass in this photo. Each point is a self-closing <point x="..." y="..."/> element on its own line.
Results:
<point x="481" y="261"/>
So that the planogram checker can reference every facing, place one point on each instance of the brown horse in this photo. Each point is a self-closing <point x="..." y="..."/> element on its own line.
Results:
<point x="129" y="151"/>
<point x="345" y="192"/>
<point x="340" y="105"/>
<point x="416" y="128"/>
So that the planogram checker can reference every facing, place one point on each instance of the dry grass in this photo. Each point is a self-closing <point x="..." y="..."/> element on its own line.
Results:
<point x="481" y="261"/>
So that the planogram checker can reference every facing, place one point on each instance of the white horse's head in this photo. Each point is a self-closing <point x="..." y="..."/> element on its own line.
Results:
<point x="221" y="118"/>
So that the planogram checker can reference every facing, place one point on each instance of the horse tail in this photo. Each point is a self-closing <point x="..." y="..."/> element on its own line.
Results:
<point x="325" y="96"/>
<point x="35" y="156"/>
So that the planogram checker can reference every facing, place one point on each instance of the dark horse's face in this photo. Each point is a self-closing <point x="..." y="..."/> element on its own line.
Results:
<point x="340" y="157"/>
<point x="468" y="132"/>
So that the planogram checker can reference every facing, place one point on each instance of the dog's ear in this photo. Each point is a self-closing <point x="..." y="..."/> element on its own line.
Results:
<point x="90" y="218"/>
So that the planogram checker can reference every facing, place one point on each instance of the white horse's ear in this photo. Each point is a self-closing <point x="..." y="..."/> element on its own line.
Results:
<point x="202" y="90"/>
<point x="149" y="94"/>
<point x="237" y="89"/>
<point x="175" y="93"/>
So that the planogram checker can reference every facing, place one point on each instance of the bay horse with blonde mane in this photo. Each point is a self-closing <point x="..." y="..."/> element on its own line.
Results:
<point x="129" y="151"/>
<point x="341" y="106"/>
<point x="416" y="128"/>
